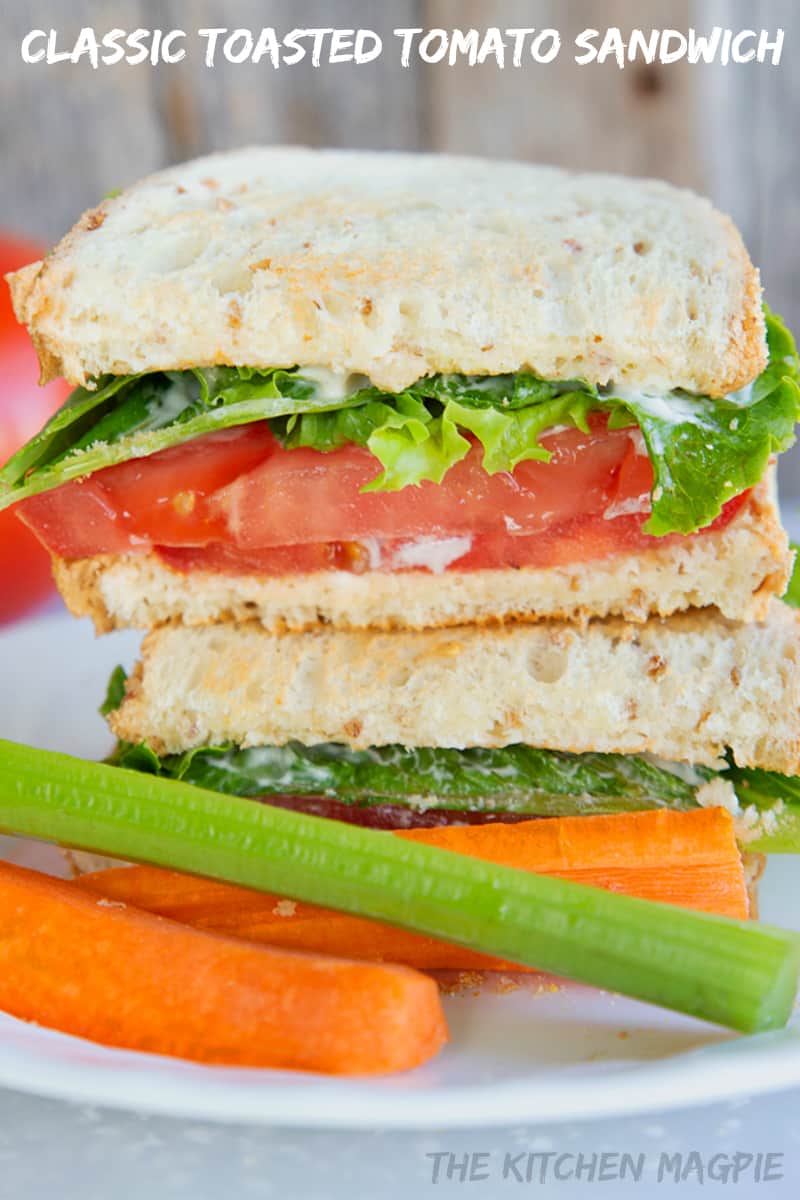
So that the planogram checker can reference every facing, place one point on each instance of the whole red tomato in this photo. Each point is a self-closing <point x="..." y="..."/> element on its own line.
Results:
<point x="25" y="579"/>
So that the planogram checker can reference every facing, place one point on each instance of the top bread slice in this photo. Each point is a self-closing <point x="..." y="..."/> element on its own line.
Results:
<point x="395" y="266"/>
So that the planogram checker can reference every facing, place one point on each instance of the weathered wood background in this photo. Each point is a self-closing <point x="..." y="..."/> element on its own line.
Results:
<point x="69" y="134"/>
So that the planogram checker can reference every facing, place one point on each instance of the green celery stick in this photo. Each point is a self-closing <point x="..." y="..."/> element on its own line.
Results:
<point x="740" y="975"/>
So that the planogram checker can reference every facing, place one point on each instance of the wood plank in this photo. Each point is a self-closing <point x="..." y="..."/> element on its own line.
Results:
<point x="375" y="105"/>
<point x="78" y="132"/>
<point x="748" y="124"/>
<point x="748" y="117"/>
<point x="638" y="120"/>
<point x="69" y="134"/>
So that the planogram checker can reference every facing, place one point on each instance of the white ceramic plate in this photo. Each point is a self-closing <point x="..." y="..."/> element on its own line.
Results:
<point x="534" y="1054"/>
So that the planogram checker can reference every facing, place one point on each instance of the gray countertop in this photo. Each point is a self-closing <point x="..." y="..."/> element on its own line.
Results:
<point x="49" y="1148"/>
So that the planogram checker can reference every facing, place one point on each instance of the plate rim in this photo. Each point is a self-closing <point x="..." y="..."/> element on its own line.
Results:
<point x="735" y="1069"/>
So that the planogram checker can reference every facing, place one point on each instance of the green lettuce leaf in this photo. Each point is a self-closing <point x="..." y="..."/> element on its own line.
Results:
<point x="115" y="692"/>
<point x="704" y="451"/>
<point x="792" y="593"/>
<point x="134" y="416"/>
<point x="718" y="448"/>
<point x="514" y="779"/>
<point x="415" y="435"/>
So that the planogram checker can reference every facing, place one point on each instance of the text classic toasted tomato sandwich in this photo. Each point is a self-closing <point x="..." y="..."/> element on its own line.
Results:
<point x="444" y="488"/>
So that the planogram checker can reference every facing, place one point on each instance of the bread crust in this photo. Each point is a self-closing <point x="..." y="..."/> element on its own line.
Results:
<point x="396" y="266"/>
<point x="738" y="569"/>
<point x="683" y="687"/>
<point x="753" y="865"/>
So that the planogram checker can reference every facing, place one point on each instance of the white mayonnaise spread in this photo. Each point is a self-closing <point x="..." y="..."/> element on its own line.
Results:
<point x="684" y="771"/>
<point x="624" y="508"/>
<point x="718" y="793"/>
<point x="639" y="444"/>
<point x="334" y="385"/>
<point x="753" y="822"/>
<point x="435" y="554"/>
<point x="671" y="408"/>
<point x="743" y="397"/>
<point x="372" y="545"/>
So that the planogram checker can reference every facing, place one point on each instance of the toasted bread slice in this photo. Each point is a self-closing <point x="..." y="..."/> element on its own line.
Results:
<point x="683" y="687"/>
<point x="396" y="266"/>
<point x="738" y="569"/>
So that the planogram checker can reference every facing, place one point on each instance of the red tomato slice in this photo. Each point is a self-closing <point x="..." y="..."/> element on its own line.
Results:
<point x="303" y="496"/>
<point x="25" y="577"/>
<point x="237" y="502"/>
<point x="159" y="499"/>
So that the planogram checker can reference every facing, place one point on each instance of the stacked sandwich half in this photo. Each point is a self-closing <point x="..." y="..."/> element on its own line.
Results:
<point x="444" y="489"/>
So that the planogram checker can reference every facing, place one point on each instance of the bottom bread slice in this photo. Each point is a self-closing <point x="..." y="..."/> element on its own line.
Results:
<point x="683" y="687"/>
<point x="737" y="569"/>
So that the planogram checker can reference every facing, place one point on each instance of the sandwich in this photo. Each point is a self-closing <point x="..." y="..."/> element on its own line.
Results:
<point x="391" y="391"/>
<point x="444" y="490"/>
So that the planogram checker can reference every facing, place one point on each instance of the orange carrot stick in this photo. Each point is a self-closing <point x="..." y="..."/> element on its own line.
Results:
<point x="99" y="969"/>
<point x="690" y="859"/>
